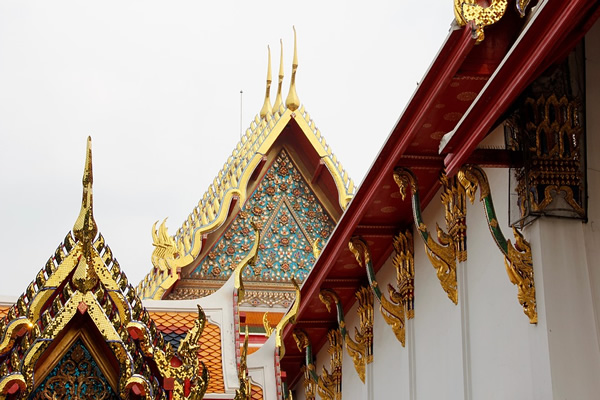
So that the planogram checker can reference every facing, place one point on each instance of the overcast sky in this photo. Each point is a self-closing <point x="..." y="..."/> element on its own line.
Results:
<point x="157" y="86"/>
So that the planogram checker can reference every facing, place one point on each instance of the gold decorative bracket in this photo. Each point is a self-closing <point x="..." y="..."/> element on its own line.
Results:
<point x="289" y="318"/>
<point x="245" y="390"/>
<point x="466" y="11"/>
<point x="517" y="258"/>
<point x="393" y="311"/>
<point x="250" y="259"/>
<point x="455" y="205"/>
<point x="266" y="325"/>
<point x="360" y="348"/>
<point x="443" y="254"/>
<point x="191" y="370"/>
<point x="311" y="378"/>
<point x="330" y="383"/>
<point x="404" y="262"/>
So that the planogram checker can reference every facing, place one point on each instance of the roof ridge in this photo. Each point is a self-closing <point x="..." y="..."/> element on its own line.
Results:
<point x="230" y="181"/>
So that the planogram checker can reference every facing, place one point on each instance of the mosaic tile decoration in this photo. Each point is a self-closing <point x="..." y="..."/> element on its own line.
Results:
<point x="291" y="219"/>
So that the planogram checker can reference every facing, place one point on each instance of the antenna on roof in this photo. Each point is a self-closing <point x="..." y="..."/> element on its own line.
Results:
<point x="241" y="109"/>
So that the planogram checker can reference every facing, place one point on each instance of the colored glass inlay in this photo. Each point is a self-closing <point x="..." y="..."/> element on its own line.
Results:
<point x="290" y="218"/>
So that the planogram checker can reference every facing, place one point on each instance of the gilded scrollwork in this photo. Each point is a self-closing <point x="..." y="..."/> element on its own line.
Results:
<point x="393" y="311"/>
<point x="361" y="347"/>
<point x="518" y="260"/>
<point x="443" y="254"/>
<point x="289" y="318"/>
<point x="83" y="280"/>
<point x="483" y="15"/>
<point x="267" y="325"/>
<point x="192" y="372"/>
<point x="245" y="390"/>
<point x="311" y="379"/>
<point x="330" y="383"/>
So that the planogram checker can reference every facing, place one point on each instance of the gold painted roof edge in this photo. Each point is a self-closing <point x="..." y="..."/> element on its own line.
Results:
<point x="174" y="252"/>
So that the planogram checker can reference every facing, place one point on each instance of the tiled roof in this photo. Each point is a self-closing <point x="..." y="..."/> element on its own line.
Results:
<point x="231" y="182"/>
<point x="4" y="311"/>
<point x="174" y="327"/>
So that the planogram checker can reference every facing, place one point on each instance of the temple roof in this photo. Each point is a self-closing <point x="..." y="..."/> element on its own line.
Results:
<point x="290" y="127"/>
<point x="81" y="316"/>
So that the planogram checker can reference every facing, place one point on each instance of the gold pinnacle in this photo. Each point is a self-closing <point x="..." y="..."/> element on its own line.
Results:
<point x="266" y="108"/>
<point x="85" y="228"/>
<point x="278" y="100"/>
<point x="292" y="102"/>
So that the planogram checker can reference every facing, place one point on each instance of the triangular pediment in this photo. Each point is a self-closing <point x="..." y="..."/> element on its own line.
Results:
<point x="293" y="224"/>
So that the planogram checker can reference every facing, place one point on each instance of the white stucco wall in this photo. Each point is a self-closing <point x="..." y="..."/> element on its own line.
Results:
<point x="485" y="347"/>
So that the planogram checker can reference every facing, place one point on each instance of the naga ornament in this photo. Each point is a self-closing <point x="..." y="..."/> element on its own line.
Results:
<point x="394" y="310"/>
<point x="517" y="257"/>
<point x="443" y="254"/>
<point x="191" y="373"/>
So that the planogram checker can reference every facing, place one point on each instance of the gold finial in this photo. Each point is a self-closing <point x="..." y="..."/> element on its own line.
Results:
<point x="278" y="100"/>
<point x="85" y="228"/>
<point x="292" y="102"/>
<point x="266" y="108"/>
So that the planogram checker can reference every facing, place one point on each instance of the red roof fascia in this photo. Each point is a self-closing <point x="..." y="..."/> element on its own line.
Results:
<point x="451" y="56"/>
<point x="544" y="37"/>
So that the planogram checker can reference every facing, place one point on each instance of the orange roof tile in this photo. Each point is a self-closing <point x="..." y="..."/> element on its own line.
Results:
<point x="254" y="318"/>
<point x="3" y="311"/>
<point x="257" y="393"/>
<point x="210" y="349"/>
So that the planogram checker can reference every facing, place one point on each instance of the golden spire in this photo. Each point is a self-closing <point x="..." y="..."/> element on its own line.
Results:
<point x="85" y="228"/>
<point x="266" y="108"/>
<point x="278" y="99"/>
<point x="292" y="102"/>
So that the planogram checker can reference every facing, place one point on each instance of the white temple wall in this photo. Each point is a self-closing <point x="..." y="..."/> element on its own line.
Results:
<point x="485" y="347"/>
<point x="390" y="366"/>
<point x="500" y="333"/>
<point x="592" y="228"/>
<point x="352" y="386"/>
<point x="438" y="343"/>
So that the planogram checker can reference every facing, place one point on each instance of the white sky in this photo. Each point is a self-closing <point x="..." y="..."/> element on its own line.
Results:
<point x="156" y="85"/>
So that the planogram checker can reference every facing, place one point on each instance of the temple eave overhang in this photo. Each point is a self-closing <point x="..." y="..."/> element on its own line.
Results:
<point x="469" y="85"/>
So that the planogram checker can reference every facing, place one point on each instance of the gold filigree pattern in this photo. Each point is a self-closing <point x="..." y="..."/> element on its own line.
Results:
<point x="330" y="382"/>
<point x="289" y="318"/>
<point x="360" y="348"/>
<point x="552" y="174"/>
<point x="245" y="390"/>
<point x="393" y="311"/>
<point x="192" y="372"/>
<point x="82" y="294"/>
<point x="455" y="206"/>
<point x="466" y="11"/>
<point x="231" y="184"/>
<point x="443" y="254"/>
<point x="518" y="260"/>
<point x="311" y="379"/>
<point x="266" y="325"/>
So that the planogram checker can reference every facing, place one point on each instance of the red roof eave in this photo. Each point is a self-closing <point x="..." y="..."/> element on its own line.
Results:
<point x="451" y="56"/>
<point x="531" y="53"/>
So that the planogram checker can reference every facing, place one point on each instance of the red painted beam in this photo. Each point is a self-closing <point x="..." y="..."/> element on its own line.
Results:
<point x="553" y="22"/>
<point x="457" y="46"/>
